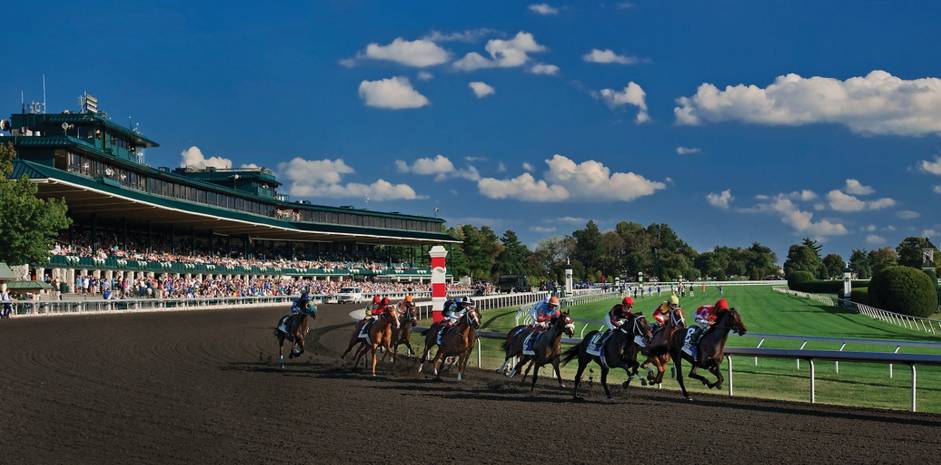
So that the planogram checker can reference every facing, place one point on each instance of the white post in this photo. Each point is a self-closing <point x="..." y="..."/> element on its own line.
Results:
<point x="813" y="383"/>
<point x="730" y="375"/>
<point x="914" y="386"/>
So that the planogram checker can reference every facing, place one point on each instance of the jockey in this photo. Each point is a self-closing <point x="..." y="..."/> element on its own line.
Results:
<point x="661" y="313"/>
<point x="706" y="314"/>
<point x="302" y="304"/>
<point x="620" y="313"/>
<point x="545" y="311"/>
<point x="376" y="300"/>
<point x="379" y="309"/>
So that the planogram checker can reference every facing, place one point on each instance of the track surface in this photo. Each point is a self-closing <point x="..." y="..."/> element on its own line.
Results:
<point x="188" y="387"/>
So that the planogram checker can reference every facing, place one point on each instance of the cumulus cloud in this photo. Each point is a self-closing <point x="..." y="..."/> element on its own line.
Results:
<point x="546" y="69"/>
<point x="784" y="206"/>
<point x="608" y="56"/>
<point x="193" y="158"/>
<point x="438" y="166"/>
<point x="936" y="189"/>
<point x="930" y="232"/>
<point x="633" y="95"/>
<point x="418" y="53"/>
<point x="687" y="150"/>
<point x="502" y="53"/>
<point x="908" y="215"/>
<point x="323" y="178"/>
<point x="573" y="220"/>
<point x="878" y="103"/>
<point x="846" y="203"/>
<point x="542" y="229"/>
<point x="857" y="188"/>
<point x="529" y="167"/>
<point x="469" y="35"/>
<point x="249" y="166"/>
<point x="931" y="167"/>
<point x="543" y="9"/>
<point x="425" y="76"/>
<point x="395" y="93"/>
<point x="721" y="200"/>
<point x="873" y="239"/>
<point x="481" y="89"/>
<point x="566" y="179"/>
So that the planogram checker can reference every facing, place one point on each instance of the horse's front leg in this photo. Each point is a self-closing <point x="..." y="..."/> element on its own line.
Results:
<point x="281" y="350"/>
<point x="715" y="369"/>
<point x="558" y="373"/>
<point x="375" y="359"/>
<point x="678" y="364"/>
<point x="695" y="375"/>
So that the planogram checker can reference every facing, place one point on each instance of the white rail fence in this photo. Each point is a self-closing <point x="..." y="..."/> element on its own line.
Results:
<point x="804" y="295"/>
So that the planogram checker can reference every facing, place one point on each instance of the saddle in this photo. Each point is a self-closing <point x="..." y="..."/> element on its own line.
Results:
<point x="443" y="331"/>
<point x="691" y="342"/>
<point x="364" y="330"/>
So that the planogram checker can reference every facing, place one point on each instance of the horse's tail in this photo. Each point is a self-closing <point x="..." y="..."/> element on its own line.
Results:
<point x="572" y="352"/>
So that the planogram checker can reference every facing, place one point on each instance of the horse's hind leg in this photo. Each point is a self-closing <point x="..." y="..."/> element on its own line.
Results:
<point x="678" y="364"/>
<point x="715" y="370"/>
<point x="558" y="373"/>
<point x="281" y="350"/>
<point x="695" y="375"/>
<point x="604" y="381"/>
<point x="535" y="375"/>
<point x="578" y="377"/>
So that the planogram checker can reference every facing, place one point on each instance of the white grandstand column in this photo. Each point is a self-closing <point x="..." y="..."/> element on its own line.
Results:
<point x="439" y="289"/>
<point x="109" y="275"/>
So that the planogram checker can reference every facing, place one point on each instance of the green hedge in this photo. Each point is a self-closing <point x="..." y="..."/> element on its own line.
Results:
<point x="933" y="275"/>
<point x="795" y="279"/>
<point x="817" y="286"/>
<point x="904" y="290"/>
<point x="860" y="295"/>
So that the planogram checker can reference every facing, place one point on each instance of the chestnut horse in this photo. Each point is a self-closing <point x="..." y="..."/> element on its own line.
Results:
<point x="379" y="335"/>
<point x="294" y="328"/>
<point x="658" y="351"/>
<point x="547" y="347"/>
<point x="711" y="348"/>
<point x="619" y="351"/>
<point x="402" y="334"/>
<point x="458" y="340"/>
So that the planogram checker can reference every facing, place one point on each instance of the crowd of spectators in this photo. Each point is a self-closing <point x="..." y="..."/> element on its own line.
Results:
<point x="80" y="246"/>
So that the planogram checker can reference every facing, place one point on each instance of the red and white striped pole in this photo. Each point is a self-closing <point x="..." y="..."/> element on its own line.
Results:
<point x="439" y="290"/>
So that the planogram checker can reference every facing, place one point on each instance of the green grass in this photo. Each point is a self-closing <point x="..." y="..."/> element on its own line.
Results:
<point x="766" y="311"/>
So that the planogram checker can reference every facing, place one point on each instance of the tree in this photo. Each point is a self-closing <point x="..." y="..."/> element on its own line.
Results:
<point x="860" y="264"/>
<point x="802" y="258"/>
<point x="513" y="259"/>
<point x="882" y="258"/>
<point x="458" y="264"/>
<point x="911" y="249"/>
<point x="834" y="265"/>
<point x="588" y="246"/>
<point x="813" y="244"/>
<point x="760" y="261"/>
<point x="29" y="225"/>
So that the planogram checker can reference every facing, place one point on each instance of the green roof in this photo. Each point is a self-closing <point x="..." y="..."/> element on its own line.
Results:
<point x="27" y="285"/>
<point x="6" y="274"/>
<point x="89" y="119"/>
<point x="40" y="171"/>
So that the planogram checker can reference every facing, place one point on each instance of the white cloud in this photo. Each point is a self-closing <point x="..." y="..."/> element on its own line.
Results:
<point x="418" y="53"/>
<point x="936" y="189"/>
<point x="474" y="158"/>
<point x="543" y="9"/>
<point x="503" y="53"/>
<point x="908" y="215"/>
<point x="801" y="221"/>
<point x="608" y="56"/>
<point x="857" y="188"/>
<point x="633" y="95"/>
<point x="873" y="239"/>
<point x="929" y="233"/>
<point x="528" y="166"/>
<point x="439" y="166"/>
<point x="721" y="200"/>
<point x="394" y="93"/>
<point x="249" y="166"/>
<point x="501" y="167"/>
<point x="572" y="220"/>
<point x="469" y="35"/>
<point x="870" y="228"/>
<point x="481" y="89"/>
<point x="932" y="167"/>
<point x="542" y="229"/>
<point x="323" y="178"/>
<point x="687" y="150"/>
<point x="566" y="179"/>
<point x="878" y="103"/>
<point x="193" y="158"/>
<point x="624" y="5"/>
<point x="425" y="76"/>
<point x="806" y="195"/>
<point x="542" y="68"/>
<point x="843" y="202"/>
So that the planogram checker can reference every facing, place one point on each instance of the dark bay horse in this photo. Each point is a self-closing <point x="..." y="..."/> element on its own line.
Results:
<point x="658" y="351"/>
<point x="402" y="334"/>
<point x="294" y="328"/>
<point x="619" y="351"/>
<point x="547" y="347"/>
<point x="459" y="341"/>
<point x="379" y="335"/>
<point x="711" y="348"/>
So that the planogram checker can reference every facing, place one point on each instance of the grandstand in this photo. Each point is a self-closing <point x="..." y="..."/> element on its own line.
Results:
<point x="133" y="221"/>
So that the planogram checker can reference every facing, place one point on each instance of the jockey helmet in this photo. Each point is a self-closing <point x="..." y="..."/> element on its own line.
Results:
<point x="674" y="300"/>
<point x="465" y="299"/>
<point x="408" y="298"/>
<point x="722" y="304"/>
<point x="628" y="302"/>
<point x="384" y="301"/>
<point x="376" y="299"/>
<point x="554" y="301"/>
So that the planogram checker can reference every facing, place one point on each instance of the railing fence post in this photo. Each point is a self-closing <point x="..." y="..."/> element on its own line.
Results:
<point x="731" y="392"/>
<point x="799" y="360"/>
<point x="480" y="349"/>
<point x="837" y="362"/>
<point x="897" y="349"/>
<point x="813" y="382"/>
<point x="914" y="387"/>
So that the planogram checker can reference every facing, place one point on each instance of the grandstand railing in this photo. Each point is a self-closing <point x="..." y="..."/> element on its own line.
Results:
<point x="489" y="302"/>
<point x="98" y="306"/>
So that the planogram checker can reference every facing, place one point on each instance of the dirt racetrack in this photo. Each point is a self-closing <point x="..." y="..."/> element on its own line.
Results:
<point x="199" y="387"/>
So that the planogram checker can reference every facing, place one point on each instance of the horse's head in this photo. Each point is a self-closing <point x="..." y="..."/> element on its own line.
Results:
<point x="642" y="327"/>
<point x="568" y="324"/>
<point x="393" y="315"/>
<point x="736" y="324"/>
<point x="472" y="316"/>
<point x="676" y="317"/>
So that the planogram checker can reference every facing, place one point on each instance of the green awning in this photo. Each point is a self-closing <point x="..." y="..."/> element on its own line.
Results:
<point x="27" y="285"/>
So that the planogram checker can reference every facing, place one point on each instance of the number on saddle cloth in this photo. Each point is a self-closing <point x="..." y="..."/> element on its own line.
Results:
<point x="529" y="342"/>
<point x="284" y="325"/>
<point x="691" y="341"/>
<point x="597" y="342"/>
<point x="364" y="331"/>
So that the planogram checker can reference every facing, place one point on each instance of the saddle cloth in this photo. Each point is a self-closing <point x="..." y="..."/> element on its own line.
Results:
<point x="691" y="342"/>
<point x="596" y="343"/>
<point x="530" y="342"/>
<point x="284" y="326"/>
<point x="364" y="331"/>
<point x="639" y="340"/>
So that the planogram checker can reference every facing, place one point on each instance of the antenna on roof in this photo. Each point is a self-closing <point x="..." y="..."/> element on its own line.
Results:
<point x="22" y="102"/>
<point x="43" y="92"/>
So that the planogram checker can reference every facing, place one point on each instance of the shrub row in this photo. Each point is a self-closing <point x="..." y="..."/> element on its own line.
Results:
<point x="904" y="290"/>
<point x="803" y="281"/>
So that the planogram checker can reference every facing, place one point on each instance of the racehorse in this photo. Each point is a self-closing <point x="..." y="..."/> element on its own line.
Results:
<point x="547" y="347"/>
<point x="378" y="335"/>
<point x="458" y="341"/>
<point x="619" y="351"/>
<point x="658" y="351"/>
<point x="294" y="328"/>
<point x="403" y="332"/>
<point x="711" y="347"/>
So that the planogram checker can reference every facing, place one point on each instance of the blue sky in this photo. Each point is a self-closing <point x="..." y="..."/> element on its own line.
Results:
<point x="299" y="89"/>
